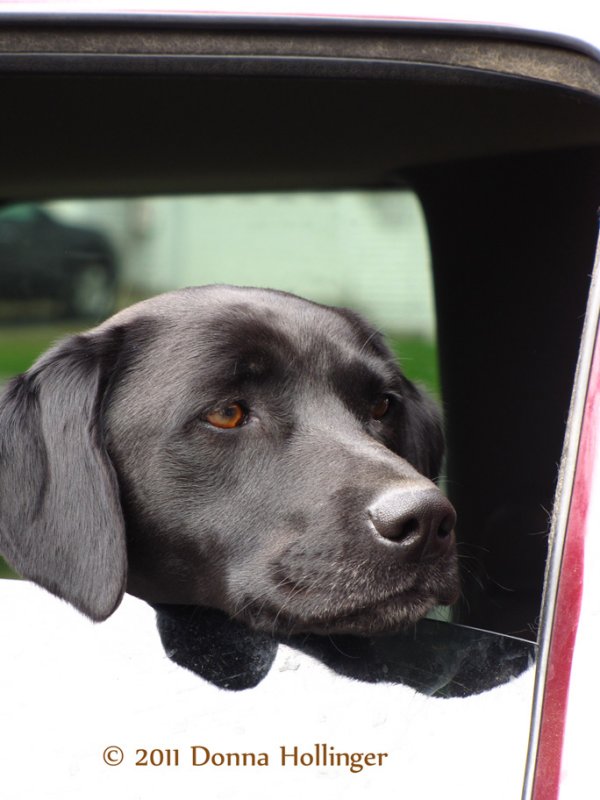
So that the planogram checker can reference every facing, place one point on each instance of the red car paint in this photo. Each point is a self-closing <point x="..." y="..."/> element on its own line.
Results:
<point x="568" y="606"/>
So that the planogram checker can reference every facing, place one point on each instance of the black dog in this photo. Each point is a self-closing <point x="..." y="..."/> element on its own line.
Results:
<point x="238" y="449"/>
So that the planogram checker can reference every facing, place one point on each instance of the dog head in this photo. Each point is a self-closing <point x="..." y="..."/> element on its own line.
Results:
<point x="239" y="449"/>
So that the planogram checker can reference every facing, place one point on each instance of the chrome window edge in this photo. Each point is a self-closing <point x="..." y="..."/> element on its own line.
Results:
<point x="560" y="517"/>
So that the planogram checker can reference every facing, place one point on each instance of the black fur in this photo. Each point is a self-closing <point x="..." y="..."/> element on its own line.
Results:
<point x="61" y="520"/>
<point x="112" y="478"/>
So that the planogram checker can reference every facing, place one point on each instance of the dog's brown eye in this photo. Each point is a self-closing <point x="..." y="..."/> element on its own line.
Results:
<point x="231" y="416"/>
<point x="381" y="407"/>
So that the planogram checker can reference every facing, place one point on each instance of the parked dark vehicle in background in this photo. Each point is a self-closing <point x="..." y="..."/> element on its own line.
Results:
<point x="42" y="258"/>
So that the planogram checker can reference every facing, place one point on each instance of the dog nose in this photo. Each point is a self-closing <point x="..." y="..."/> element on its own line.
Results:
<point x="420" y="521"/>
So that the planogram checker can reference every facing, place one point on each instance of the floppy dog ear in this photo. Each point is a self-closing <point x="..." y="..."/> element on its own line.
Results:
<point x="61" y="524"/>
<point x="423" y="435"/>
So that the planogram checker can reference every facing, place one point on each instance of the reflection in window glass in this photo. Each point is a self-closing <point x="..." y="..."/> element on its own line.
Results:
<point x="65" y="265"/>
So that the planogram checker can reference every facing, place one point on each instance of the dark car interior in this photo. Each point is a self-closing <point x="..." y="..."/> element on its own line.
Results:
<point x="498" y="134"/>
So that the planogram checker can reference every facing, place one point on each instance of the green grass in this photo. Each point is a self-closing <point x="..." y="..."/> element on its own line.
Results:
<point x="21" y="345"/>
<point x="418" y="359"/>
<point x="5" y="570"/>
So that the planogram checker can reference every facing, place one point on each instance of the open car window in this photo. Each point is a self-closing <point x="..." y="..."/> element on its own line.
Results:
<point x="72" y="263"/>
<point x="66" y="265"/>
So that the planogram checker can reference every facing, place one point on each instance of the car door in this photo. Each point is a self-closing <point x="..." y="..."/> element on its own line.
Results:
<point x="497" y="135"/>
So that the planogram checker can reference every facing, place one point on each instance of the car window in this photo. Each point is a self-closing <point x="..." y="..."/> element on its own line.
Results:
<point x="366" y="250"/>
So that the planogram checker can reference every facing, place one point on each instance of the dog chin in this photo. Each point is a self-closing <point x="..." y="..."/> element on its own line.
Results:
<point x="389" y="616"/>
